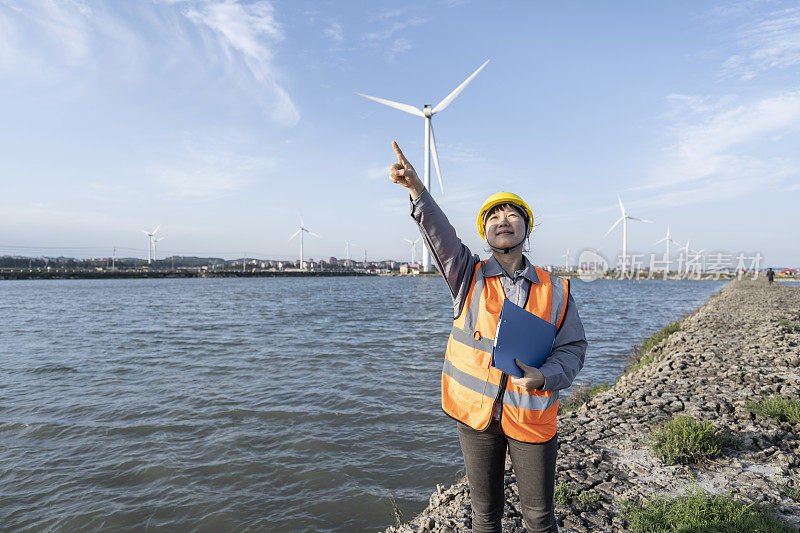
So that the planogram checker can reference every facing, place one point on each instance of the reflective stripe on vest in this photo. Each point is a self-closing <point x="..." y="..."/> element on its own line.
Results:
<point x="470" y="386"/>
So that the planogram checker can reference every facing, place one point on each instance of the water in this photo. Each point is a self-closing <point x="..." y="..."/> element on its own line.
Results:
<point x="267" y="404"/>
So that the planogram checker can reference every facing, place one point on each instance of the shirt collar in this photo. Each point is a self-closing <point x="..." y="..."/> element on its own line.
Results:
<point x="493" y="268"/>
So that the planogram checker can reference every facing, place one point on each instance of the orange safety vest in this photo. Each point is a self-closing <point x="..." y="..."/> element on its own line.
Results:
<point x="471" y="387"/>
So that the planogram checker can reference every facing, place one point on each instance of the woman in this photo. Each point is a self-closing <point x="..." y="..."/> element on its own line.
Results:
<point x="495" y="413"/>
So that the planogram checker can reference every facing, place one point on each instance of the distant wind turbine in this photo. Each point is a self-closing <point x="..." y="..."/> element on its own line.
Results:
<point x="566" y="261"/>
<point x="150" y="245"/>
<point x="300" y="232"/>
<point x="697" y="258"/>
<point x="696" y="254"/>
<point x="624" y="219"/>
<point x="430" y="142"/>
<point x="155" y="241"/>
<point x="347" y="245"/>
<point x="413" y="248"/>
<point x="669" y="241"/>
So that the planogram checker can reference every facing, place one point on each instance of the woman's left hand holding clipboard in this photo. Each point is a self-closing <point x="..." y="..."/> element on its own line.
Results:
<point x="533" y="378"/>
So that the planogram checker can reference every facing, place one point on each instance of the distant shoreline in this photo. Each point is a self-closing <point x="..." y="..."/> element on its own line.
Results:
<point x="26" y="274"/>
<point x="157" y="274"/>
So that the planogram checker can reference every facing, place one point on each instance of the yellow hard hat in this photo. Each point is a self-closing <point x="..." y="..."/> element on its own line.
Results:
<point x="502" y="198"/>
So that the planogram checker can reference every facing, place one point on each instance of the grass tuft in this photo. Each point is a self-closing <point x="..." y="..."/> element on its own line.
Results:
<point x="565" y="493"/>
<point x="791" y="489"/>
<point x="792" y="325"/>
<point x="642" y="354"/>
<point x="685" y="440"/>
<point x="776" y="406"/>
<point x="698" y="511"/>
<point x="581" y="395"/>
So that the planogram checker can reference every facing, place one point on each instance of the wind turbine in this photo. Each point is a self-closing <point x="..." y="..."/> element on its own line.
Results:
<point x="566" y="261"/>
<point x="624" y="219"/>
<point x="697" y="258"/>
<point x="300" y="232"/>
<point x="154" y="246"/>
<point x="150" y="245"/>
<point x="413" y="248"/>
<point x="669" y="241"/>
<point x="696" y="254"/>
<point x="430" y="142"/>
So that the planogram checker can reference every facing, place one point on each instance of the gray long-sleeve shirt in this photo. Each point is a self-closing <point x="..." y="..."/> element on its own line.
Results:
<point x="457" y="264"/>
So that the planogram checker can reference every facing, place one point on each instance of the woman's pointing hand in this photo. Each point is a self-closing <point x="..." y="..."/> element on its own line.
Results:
<point x="403" y="173"/>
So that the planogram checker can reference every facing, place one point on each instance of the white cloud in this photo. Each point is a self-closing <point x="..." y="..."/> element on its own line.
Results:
<point x="718" y="149"/>
<point x="377" y="172"/>
<point x="49" y="39"/>
<point x="391" y="22"/>
<point x="201" y="173"/>
<point x="250" y="30"/>
<point x="40" y="38"/>
<point x="401" y="45"/>
<point x="771" y="41"/>
<point x="459" y="153"/>
<point x="334" y="32"/>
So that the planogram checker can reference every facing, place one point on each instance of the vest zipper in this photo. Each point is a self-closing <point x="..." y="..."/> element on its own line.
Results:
<point x="499" y="399"/>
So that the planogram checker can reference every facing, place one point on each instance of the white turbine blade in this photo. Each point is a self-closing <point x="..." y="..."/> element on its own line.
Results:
<point x="312" y="233"/>
<point x="146" y="232"/>
<point x="621" y="207"/>
<point x="662" y="240"/>
<point x="436" y="159"/>
<point x="397" y="105"/>
<point x="641" y="220"/>
<point x="155" y="230"/>
<point x="409" y="241"/>
<point x="418" y="239"/>
<point x="295" y="234"/>
<point x="450" y="97"/>
<point x="620" y="219"/>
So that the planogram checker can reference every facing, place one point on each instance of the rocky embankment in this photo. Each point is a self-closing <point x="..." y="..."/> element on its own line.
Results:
<point x="732" y="349"/>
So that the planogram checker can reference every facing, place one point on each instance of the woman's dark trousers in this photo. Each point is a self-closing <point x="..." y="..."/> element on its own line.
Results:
<point x="535" y="468"/>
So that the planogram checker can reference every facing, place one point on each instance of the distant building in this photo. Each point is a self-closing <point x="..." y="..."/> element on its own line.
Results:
<point x="410" y="269"/>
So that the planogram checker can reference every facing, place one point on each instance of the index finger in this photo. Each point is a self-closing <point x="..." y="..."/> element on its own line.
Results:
<point x="400" y="157"/>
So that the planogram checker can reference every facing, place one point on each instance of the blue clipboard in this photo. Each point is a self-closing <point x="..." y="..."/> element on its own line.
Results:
<point x="522" y="335"/>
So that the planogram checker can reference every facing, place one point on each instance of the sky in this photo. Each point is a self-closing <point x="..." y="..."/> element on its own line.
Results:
<point x="224" y="121"/>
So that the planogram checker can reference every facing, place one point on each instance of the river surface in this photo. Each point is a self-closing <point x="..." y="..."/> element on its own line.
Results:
<point x="272" y="404"/>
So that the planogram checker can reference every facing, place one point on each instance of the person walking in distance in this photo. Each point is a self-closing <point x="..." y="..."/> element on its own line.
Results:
<point x="495" y="412"/>
<point x="770" y="275"/>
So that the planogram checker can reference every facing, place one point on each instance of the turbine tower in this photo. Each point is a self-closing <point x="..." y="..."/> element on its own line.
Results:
<point x="669" y="241"/>
<point x="566" y="261"/>
<point x="413" y="248"/>
<point x="430" y="142"/>
<point x="624" y="219"/>
<point x="300" y="232"/>
<point x="150" y="245"/>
